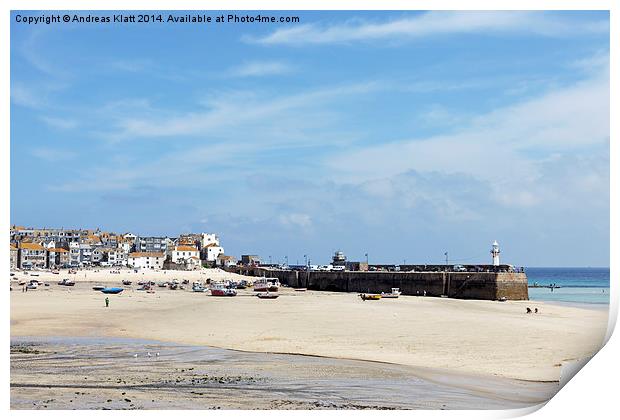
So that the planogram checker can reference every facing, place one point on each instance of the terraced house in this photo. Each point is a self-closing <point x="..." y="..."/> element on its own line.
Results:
<point x="32" y="255"/>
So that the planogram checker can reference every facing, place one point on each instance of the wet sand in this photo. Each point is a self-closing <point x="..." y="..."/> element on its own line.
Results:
<point x="96" y="373"/>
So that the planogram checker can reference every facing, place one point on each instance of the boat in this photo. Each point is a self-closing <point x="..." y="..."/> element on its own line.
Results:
<point x="267" y="284"/>
<point x="98" y="288"/>
<point x="163" y="284"/>
<point x="55" y="272"/>
<point x="46" y="284"/>
<point x="112" y="290"/>
<point x="34" y="274"/>
<point x="32" y="286"/>
<point x="126" y="282"/>
<point x="267" y="295"/>
<point x="66" y="282"/>
<point x="220" y="289"/>
<point x="22" y="282"/>
<point x="174" y="286"/>
<point x="198" y="288"/>
<point x="395" y="293"/>
<point x="242" y="284"/>
<point x="370" y="296"/>
<point x="301" y="289"/>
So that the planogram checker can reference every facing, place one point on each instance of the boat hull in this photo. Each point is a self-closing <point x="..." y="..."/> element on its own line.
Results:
<point x="112" y="290"/>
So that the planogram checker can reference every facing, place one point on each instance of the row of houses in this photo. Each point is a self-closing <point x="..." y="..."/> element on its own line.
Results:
<point x="61" y="248"/>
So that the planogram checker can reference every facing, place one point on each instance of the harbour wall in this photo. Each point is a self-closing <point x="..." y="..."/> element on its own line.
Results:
<point x="460" y="285"/>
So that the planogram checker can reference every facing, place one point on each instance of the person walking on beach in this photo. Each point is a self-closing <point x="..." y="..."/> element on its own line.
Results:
<point x="107" y="302"/>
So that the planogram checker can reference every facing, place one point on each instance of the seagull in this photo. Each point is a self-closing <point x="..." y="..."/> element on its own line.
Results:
<point x="135" y="355"/>
<point x="148" y="354"/>
<point x="157" y="354"/>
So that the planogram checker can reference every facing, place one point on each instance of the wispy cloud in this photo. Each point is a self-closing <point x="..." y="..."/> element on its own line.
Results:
<point x="52" y="155"/>
<point x="261" y="68"/>
<point x="60" y="123"/>
<point x="232" y="110"/>
<point x="434" y="23"/>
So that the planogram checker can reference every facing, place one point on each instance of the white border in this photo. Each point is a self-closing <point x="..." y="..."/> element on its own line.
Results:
<point x="591" y="393"/>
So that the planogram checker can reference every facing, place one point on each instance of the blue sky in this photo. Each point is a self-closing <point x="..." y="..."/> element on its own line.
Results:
<point x="398" y="134"/>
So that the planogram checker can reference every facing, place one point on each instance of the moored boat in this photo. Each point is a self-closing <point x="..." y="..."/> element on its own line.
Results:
<point x="370" y="296"/>
<point x="98" y="288"/>
<point x="395" y="293"/>
<point x="66" y="282"/>
<point x="267" y="284"/>
<point x="126" y="282"/>
<point x="267" y="295"/>
<point x="222" y="290"/>
<point x="112" y="290"/>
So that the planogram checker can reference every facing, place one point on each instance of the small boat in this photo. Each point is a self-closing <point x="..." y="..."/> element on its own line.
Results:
<point x="174" y="286"/>
<point x="395" y="293"/>
<point x="55" y="272"/>
<point x="98" y="288"/>
<point x="66" y="282"/>
<point x="163" y="284"/>
<point x="242" y="284"/>
<point x="199" y="289"/>
<point x="112" y="290"/>
<point x="126" y="282"/>
<point x="502" y="299"/>
<point x="34" y="274"/>
<point x="301" y="289"/>
<point x="46" y="284"/>
<point x="22" y="282"/>
<point x="267" y="295"/>
<point x="222" y="290"/>
<point x="266" y="284"/>
<point x="370" y="296"/>
<point x="32" y="286"/>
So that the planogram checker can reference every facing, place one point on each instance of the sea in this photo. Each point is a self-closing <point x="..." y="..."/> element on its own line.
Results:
<point x="577" y="285"/>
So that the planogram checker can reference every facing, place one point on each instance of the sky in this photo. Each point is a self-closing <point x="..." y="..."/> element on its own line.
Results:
<point x="401" y="135"/>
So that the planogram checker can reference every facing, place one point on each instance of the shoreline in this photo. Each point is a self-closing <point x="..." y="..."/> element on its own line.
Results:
<point x="449" y="389"/>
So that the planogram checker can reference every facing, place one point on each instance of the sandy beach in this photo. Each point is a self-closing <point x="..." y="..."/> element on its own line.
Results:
<point x="468" y="337"/>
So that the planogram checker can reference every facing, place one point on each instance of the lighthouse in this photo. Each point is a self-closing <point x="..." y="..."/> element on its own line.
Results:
<point x="495" y="253"/>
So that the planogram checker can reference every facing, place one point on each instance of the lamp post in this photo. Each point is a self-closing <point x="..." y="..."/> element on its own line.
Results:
<point x="366" y="254"/>
<point x="306" y="260"/>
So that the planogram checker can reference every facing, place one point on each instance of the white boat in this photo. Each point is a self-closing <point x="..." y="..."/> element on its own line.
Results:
<point x="394" y="294"/>
<point x="267" y="284"/>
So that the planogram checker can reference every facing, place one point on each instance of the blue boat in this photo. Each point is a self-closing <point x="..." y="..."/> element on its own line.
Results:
<point x="112" y="290"/>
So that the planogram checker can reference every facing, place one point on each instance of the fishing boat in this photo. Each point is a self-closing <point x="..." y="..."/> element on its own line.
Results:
<point x="370" y="296"/>
<point x="267" y="295"/>
<point x="301" y="289"/>
<point x="163" y="284"/>
<point x="126" y="282"/>
<point x="267" y="284"/>
<point x="98" y="287"/>
<point x="221" y="289"/>
<point x="112" y="290"/>
<point x="395" y="293"/>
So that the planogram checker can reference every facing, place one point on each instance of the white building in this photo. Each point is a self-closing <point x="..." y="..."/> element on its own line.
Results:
<point x="117" y="257"/>
<point x="182" y="254"/>
<point x="211" y="252"/>
<point x="153" y="260"/>
<point x="209" y="238"/>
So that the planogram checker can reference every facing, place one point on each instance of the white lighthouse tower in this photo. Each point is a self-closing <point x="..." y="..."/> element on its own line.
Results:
<point x="495" y="253"/>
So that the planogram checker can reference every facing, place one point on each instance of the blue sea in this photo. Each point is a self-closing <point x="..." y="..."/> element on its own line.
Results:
<point x="577" y="285"/>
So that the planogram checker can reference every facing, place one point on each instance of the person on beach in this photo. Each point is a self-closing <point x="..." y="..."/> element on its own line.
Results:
<point x="107" y="302"/>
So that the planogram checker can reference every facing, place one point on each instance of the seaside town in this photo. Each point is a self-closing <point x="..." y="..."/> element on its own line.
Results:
<point x="33" y="248"/>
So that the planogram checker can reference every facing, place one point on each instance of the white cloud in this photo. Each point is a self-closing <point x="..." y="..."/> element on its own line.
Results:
<point x="298" y="220"/>
<point x="52" y="155"/>
<point x="508" y="147"/>
<point x="60" y="123"/>
<point x="435" y="23"/>
<point x="260" y="68"/>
